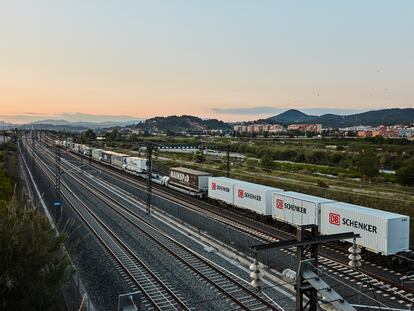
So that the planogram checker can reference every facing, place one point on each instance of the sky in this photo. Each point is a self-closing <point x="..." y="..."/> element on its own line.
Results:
<point x="231" y="60"/>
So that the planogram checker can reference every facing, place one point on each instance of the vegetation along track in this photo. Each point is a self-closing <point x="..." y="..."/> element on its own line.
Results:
<point x="157" y="294"/>
<point x="265" y="232"/>
<point x="229" y="285"/>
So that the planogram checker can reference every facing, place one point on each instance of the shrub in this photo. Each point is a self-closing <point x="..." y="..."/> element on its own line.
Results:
<point x="266" y="161"/>
<point x="32" y="266"/>
<point x="322" y="184"/>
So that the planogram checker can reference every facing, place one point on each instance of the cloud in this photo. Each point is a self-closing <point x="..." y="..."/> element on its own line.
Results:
<point x="28" y="117"/>
<point x="248" y="110"/>
<point x="79" y="116"/>
<point x="268" y="110"/>
<point x="35" y="113"/>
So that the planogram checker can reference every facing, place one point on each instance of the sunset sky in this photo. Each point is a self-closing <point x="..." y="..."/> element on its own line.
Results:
<point x="231" y="59"/>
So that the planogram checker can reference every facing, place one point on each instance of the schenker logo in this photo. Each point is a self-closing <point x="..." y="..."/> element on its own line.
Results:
<point x="214" y="186"/>
<point x="334" y="219"/>
<point x="243" y="194"/>
<point x="280" y="204"/>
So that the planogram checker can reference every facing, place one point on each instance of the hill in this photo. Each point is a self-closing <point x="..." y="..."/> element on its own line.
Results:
<point x="84" y="124"/>
<point x="51" y="127"/>
<point x="373" y="118"/>
<point x="290" y="116"/>
<point x="183" y="123"/>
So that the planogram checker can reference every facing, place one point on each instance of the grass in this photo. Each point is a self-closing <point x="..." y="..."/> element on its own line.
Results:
<point x="337" y="183"/>
<point x="392" y="198"/>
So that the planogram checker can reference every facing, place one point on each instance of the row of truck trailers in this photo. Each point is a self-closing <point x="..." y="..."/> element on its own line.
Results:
<point x="381" y="232"/>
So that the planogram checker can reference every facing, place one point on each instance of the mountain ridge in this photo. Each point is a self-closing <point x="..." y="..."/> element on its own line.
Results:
<point x="85" y="124"/>
<point x="186" y="123"/>
<point x="390" y="116"/>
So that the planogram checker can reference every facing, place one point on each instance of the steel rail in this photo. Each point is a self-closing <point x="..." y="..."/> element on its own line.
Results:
<point x="248" y="228"/>
<point x="124" y="249"/>
<point x="179" y="251"/>
<point x="338" y="270"/>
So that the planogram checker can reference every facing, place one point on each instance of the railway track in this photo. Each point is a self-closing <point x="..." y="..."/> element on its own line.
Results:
<point x="358" y="278"/>
<point x="241" y="295"/>
<point x="375" y="282"/>
<point x="157" y="293"/>
<point x="331" y="263"/>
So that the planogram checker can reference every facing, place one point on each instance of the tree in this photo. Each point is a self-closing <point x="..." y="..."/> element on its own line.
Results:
<point x="405" y="174"/>
<point x="114" y="135"/>
<point x="368" y="163"/>
<point x="133" y="137"/>
<point x="88" y="136"/>
<point x="300" y="157"/>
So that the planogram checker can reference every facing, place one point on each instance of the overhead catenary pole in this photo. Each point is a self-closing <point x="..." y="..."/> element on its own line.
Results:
<point x="308" y="283"/>
<point x="149" y="177"/>
<point x="58" y="203"/>
<point x="34" y="149"/>
<point x="302" y="289"/>
<point x="228" y="161"/>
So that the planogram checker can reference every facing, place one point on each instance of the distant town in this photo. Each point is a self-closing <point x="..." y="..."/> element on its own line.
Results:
<point x="387" y="123"/>
<point x="394" y="131"/>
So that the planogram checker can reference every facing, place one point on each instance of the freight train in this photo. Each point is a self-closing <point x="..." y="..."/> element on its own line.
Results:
<point x="381" y="232"/>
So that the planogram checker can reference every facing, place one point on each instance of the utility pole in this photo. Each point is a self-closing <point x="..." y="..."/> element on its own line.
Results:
<point x="149" y="177"/>
<point x="308" y="283"/>
<point x="228" y="161"/>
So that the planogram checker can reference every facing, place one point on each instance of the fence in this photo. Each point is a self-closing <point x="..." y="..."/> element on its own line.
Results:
<point x="74" y="292"/>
